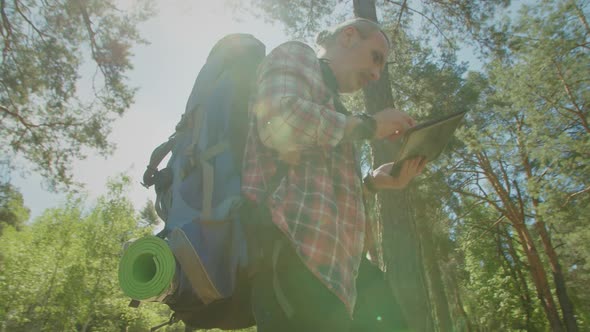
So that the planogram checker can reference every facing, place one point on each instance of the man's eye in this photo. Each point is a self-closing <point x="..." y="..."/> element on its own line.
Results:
<point x="376" y="58"/>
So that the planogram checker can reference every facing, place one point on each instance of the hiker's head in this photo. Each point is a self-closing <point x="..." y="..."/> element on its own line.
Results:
<point x="357" y="50"/>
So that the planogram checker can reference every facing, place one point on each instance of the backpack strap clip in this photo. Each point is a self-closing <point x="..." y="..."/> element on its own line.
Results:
<point x="173" y="319"/>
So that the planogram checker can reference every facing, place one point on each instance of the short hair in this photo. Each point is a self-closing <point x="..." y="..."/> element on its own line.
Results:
<point x="364" y="27"/>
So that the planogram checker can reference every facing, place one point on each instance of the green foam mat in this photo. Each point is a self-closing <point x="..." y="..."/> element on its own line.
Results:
<point x="147" y="268"/>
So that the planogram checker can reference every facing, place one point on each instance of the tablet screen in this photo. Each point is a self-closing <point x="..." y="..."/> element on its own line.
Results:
<point x="428" y="139"/>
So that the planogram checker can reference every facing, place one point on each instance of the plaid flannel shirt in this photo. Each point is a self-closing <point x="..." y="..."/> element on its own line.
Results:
<point x="318" y="205"/>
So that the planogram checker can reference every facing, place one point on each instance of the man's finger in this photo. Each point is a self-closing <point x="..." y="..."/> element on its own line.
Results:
<point x="405" y="168"/>
<point x="422" y="162"/>
<point x="422" y="165"/>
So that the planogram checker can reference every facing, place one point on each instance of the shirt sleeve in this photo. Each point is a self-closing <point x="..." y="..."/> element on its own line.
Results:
<point x="287" y="117"/>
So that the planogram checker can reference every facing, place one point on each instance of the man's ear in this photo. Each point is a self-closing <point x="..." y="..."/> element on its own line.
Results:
<point x="347" y="36"/>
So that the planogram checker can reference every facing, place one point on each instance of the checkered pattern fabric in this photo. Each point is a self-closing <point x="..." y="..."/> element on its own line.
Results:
<point x="318" y="205"/>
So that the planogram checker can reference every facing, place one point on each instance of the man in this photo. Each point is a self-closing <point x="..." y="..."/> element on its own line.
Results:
<point x="301" y="164"/>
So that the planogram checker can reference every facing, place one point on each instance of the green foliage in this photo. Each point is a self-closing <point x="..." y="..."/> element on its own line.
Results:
<point x="527" y="143"/>
<point x="148" y="214"/>
<point x="551" y="73"/>
<point x="447" y="21"/>
<point x="496" y="297"/>
<point x="48" y="116"/>
<point x="13" y="212"/>
<point x="60" y="272"/>
<point x="300" y="18"/>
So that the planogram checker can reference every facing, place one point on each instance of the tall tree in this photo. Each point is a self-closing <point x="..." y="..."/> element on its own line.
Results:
<point x="402" y="250"/>
<point x="551" y="63"/>
<point x="49" y="117"/>
<point x="494" y="293"/>
<point x="535" y="165"/>
<point x="496" y="188"/>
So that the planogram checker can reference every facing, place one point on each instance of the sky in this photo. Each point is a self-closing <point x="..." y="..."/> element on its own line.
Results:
<point x="180" y="35"/>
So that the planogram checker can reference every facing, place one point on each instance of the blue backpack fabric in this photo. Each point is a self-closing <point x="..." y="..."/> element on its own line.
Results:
<point x="198" y="192"/>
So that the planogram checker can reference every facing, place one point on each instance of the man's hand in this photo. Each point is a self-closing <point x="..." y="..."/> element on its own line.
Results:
<point x="381" y="179"/>
<point x="392" y="123"/>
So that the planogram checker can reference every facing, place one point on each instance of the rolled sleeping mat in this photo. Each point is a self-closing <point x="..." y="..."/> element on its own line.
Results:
<point x="147" y="269"/>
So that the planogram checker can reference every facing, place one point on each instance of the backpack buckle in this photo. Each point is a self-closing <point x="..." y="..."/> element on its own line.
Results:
<point x="171" y="321"/>
<point x="148" y="176"/>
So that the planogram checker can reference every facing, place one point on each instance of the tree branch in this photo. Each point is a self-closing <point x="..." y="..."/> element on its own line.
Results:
<point x="510" y="212"/>
<point x="6" y="24"/>
<point x="579" y="112"/>
<point x="553" y="103"/>
<point x="570" y="196"/>
<point x="30" y="125"/>
<point x="93" y="43"/>
<point x="469" y="209"/>
<point x="401" y="12"/>
<point x="476" y="226"/>
<point x="505" y="176"/>
<point x="19" y="117"/>
<point x="520" y="199"/>
<point x="404" y="5"/>
<point x="485" y="199"/>
<point x="39" y="32"/>
<point x="582" y="17"/>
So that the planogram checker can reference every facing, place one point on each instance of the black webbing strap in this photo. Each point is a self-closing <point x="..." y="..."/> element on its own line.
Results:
<point x="332" y="84"/>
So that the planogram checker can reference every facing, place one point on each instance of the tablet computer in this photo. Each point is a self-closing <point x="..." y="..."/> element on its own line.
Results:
<point x="427" y="139"/>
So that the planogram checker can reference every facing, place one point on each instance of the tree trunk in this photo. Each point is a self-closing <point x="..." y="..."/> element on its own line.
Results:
<point x="567" y="308"/>
<point x="402" y="256"/>
<point x="401" y="249"/>
<point x="461" y="321"/>
<point x="525" y="295"/>
<point x="539" y="277"/>
<point x="434" y="275"/>
<point x="516" y="216"/>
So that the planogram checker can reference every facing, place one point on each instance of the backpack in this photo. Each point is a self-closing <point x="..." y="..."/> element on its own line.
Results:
<point x="198" y="193"/>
